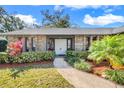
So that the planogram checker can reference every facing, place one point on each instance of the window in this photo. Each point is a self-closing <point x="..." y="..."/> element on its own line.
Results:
<point x="51" y="44"/>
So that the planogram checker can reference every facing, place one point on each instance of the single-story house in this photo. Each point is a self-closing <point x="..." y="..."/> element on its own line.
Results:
<point x="60" y="39"/>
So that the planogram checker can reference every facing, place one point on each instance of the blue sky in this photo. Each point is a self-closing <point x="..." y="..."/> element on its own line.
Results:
<point x="84" y="16"/>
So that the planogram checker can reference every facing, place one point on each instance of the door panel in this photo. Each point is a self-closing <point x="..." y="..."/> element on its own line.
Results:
<point x="60" y="46"/>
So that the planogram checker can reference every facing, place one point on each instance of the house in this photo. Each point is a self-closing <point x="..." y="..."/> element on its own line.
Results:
<point x="59" y="39"/>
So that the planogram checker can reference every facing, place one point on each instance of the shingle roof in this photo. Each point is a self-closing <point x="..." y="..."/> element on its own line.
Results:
<point x="67" y="31"/>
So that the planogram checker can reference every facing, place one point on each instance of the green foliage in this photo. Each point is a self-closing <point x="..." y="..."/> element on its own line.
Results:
<point x="82" y="65"/>
<point x="27" y="57"/>
<point x="57" y="19"/>
<point x="3" y="45"/>
<point x="9" y="22"/>
<point x="72" y="60"/>
<point x="110" y="48"/>
<point x="15" y="71"/>
<point x="79" y="54"/>
<point x="75" y="56"/>
<point x="3" y="57"/>
<point x="115" y="75"/>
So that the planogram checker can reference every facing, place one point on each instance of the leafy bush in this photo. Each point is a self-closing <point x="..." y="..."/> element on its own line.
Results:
<point x="3" y="45"/>
<point x="110" y="48"/>
<point x="80" y="54"/>
<point x="115" y="75"/>
<point x="3" y="57"/>
<point x="72" y="60"/>
<point x="82" y="65"/>
<point x="27" y="57"/>
<point x="33" y="57"/>
<point x="75" y="56"/>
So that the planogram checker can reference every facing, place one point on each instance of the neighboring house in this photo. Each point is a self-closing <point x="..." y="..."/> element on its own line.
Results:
<point x="60" y="39"/>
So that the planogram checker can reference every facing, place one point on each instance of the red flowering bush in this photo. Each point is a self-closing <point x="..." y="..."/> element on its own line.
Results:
<point x="15" y="48"/>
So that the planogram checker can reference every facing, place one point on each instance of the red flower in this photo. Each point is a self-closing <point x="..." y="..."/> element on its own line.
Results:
<point x="15" y="48"/>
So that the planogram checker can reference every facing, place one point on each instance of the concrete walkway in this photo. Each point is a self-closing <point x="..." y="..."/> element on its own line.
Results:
<point x="81" y="79"/>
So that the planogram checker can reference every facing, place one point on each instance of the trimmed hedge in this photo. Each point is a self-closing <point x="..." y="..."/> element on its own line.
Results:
<point x="27" y="57"/>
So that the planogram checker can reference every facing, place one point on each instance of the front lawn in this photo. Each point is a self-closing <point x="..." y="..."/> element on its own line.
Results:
<point x="36" y="76"/>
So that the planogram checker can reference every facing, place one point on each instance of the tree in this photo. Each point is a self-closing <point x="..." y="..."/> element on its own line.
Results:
<point x="9" y="22"/>
<point x="57" y="19"/>
<point x="110" y="48"/>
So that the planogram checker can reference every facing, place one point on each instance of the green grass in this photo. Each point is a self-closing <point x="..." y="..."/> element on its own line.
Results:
<point x="33" y="77"/>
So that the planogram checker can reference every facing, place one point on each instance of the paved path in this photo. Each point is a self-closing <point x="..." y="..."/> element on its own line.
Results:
<point x="81" y="79"/>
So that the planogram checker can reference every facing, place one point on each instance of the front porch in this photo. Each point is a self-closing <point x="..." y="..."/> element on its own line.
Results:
<point x="55" y="42"/>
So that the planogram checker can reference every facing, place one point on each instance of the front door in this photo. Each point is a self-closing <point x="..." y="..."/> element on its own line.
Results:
<point x="60" y="46"/>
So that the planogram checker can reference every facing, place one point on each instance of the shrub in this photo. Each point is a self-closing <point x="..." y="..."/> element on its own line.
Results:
<point x="75" y="56"/>
<point x="27" y="57"/>
<point x="3" y="45"/>
<point x="72" y="60"/>
<point x="82" y="65"/>
<point x="115" y="75"/>
<point x="110" y="48"/>
<point x="3" y="57"/>
<point x="33" y="57"/>
<point x="80" y="54"/>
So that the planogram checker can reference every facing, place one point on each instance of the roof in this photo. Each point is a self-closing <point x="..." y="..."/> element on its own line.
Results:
<point x="67" y="31"/>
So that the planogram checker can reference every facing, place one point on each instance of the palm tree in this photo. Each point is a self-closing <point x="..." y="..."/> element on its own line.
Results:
<point x="110" y="48"/>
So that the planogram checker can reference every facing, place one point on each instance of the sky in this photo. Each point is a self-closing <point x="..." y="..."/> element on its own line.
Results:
<point x="85" y="16"/>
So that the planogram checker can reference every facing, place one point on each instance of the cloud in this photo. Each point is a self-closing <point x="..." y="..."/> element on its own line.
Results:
<point x="28" y="19"/>
<point x="74" y="7"/>
<point x="109" y="10"/>
<point x="83" y="6"/>
<point x="103" y="20"/>
<point x="58" y="8"/>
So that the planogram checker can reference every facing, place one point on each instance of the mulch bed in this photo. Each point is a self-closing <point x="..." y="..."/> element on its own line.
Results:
<point x="98" y="69"/>
<point x="8" y="65"/>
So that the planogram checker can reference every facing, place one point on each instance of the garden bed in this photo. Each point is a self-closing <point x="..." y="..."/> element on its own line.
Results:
<point x="8" y="65"/>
